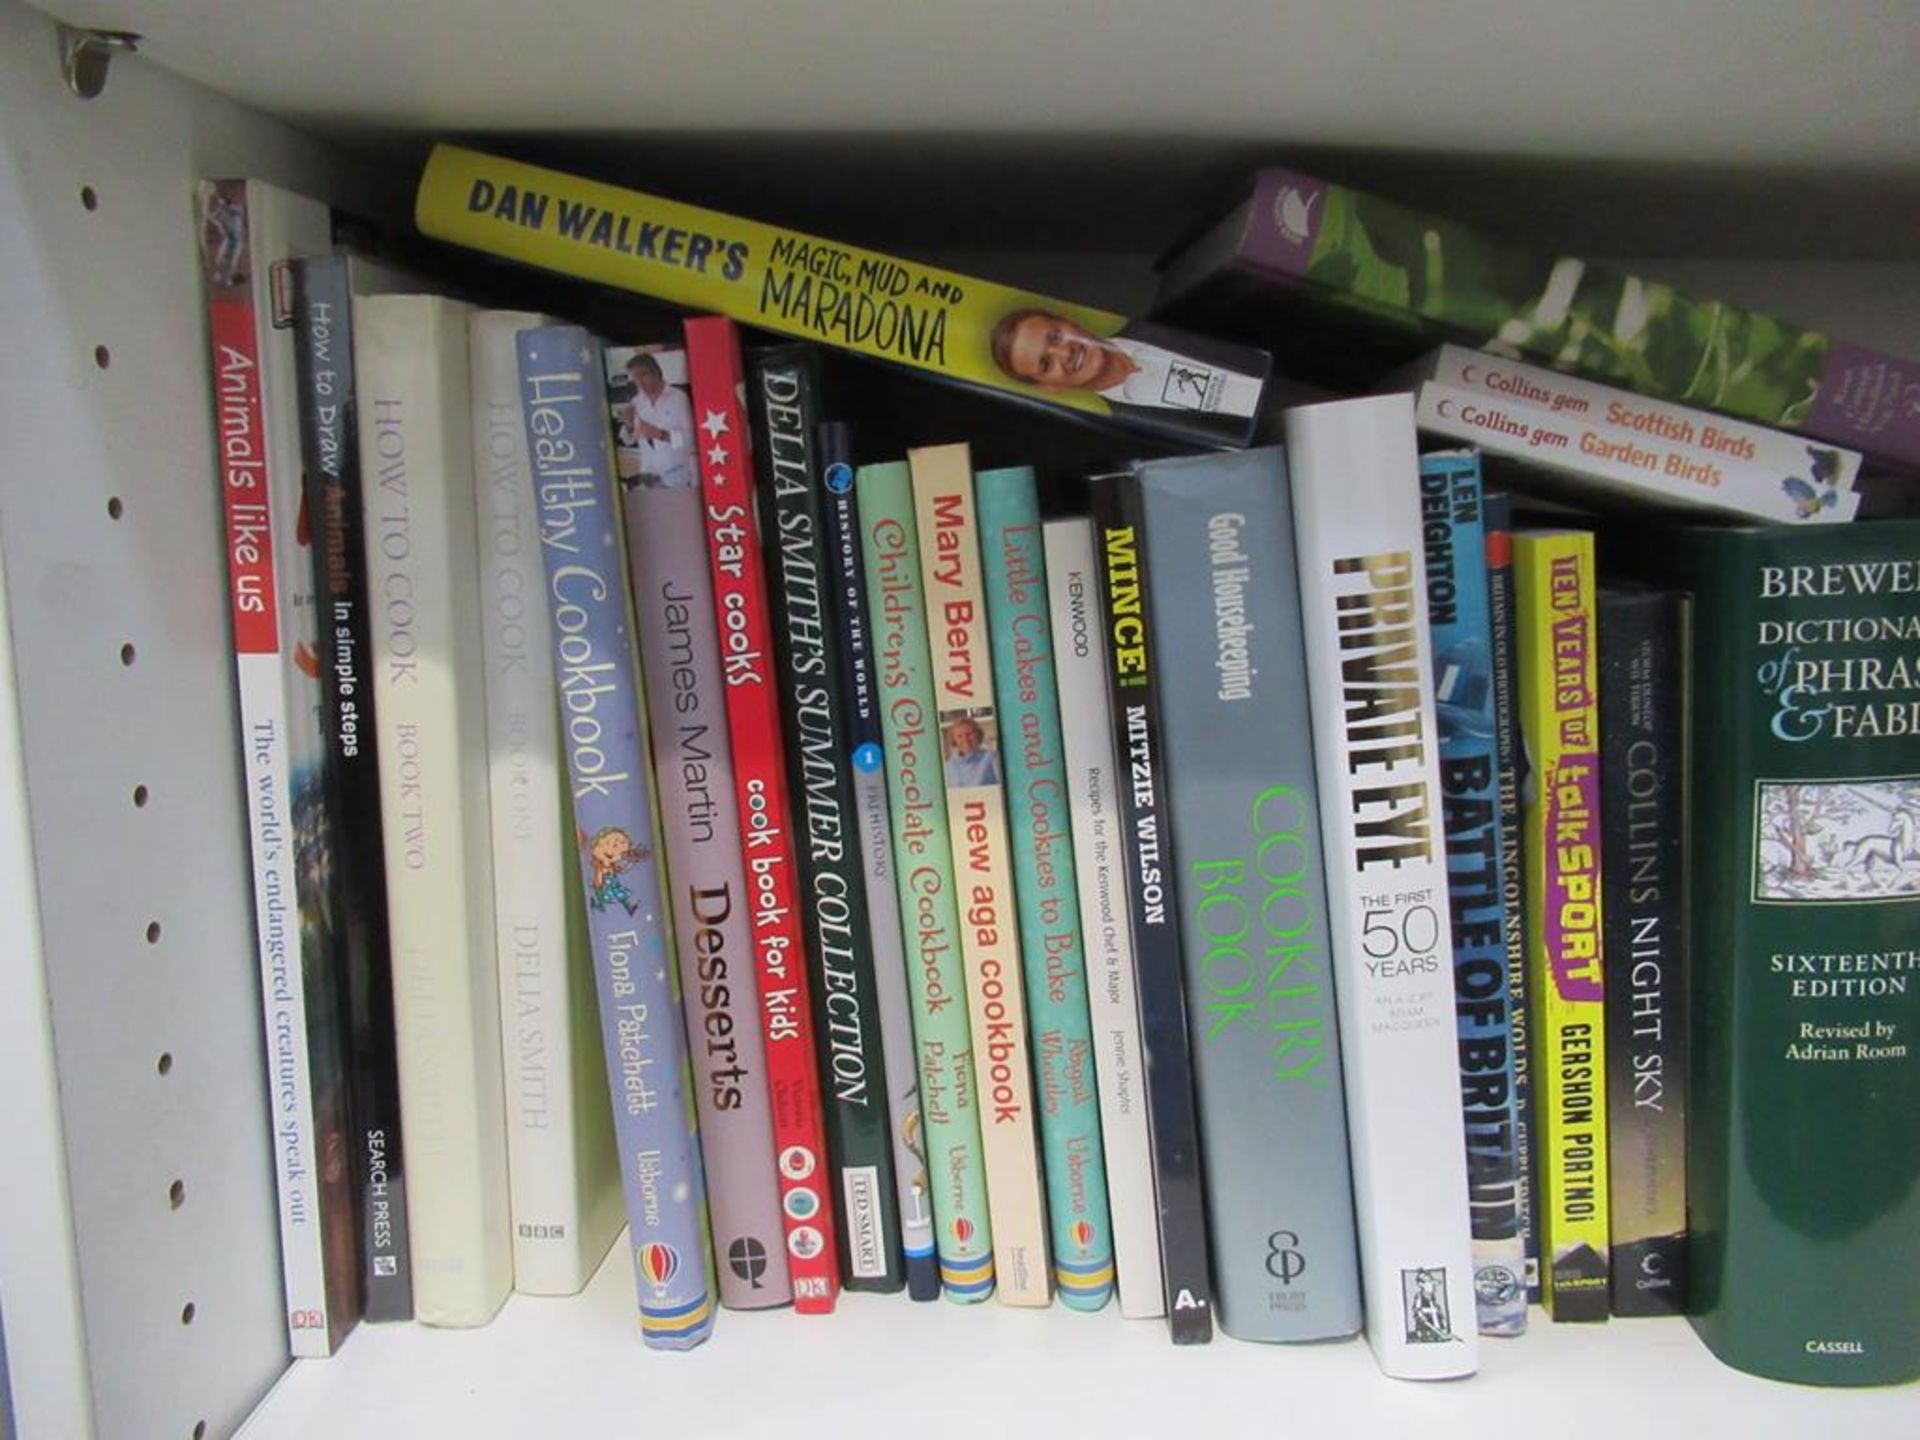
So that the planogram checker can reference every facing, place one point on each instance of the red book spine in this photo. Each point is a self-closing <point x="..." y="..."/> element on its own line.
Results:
<point x="243" y="470"/>
<point x="760" y="791"/>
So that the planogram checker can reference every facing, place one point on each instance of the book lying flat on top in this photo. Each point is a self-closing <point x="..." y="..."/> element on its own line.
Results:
<point x="1085" y="361"/>
<point x="1349" y="285"/>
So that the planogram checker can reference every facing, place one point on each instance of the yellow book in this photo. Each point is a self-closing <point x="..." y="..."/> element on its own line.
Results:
<point x="1095" y="362"/>
<point x="1560" y="720"/>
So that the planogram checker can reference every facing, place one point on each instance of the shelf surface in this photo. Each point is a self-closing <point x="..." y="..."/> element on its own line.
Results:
<point x="577" y="1367"/>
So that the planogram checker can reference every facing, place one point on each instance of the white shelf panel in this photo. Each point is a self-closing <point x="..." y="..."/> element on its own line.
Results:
<point x="547" y="1367"/>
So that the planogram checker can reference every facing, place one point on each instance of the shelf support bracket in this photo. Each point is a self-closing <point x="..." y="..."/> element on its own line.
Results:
<point x="85" y="55"/>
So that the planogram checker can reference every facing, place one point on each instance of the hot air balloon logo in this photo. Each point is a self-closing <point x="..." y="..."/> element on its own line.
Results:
<point x="1081" y="1233"/>
<point x="962" y="1229"/>
<point x="659" y="1263"/>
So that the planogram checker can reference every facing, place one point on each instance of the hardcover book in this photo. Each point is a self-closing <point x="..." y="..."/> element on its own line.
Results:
<point x="1092" y="783"/>
<point x="1358" y="537"/>
<point x="1086" y="361"/>
<point x="249" y="233"/>
<point x="742" y="620"/>
<point x="1338" y="279"/>
<point x="416" y="450"/>
<point x="616" y="833"/>
<point x="1146" y="846"/>
<point x="1803" y="1168"/>
<point x="562" y="1169"/>
<point x="783" y="387"/>
<point x="1015" y="581"/>
<point x="1458" y="601"/>
<point x="1502" y="603"/>
<point x="1573" y="456"/>
<point x="873" y="822"/>
<point x="971" y="744"/>
<point x="1224" y="608"/>
<point x="950" y="1101"/>
<point x="706" y="870"/>
<point x="323" y="291"/>
<point x="1643" y="789"/>
<point x="1559" y="719"/>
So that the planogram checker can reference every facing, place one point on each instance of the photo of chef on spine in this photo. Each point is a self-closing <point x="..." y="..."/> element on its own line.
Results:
<point x="970" y="745"/>
<point x="652" y="415"/>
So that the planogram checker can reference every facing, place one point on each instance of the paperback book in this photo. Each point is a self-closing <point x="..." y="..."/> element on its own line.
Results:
<point x="1358" y="537"/>
<point x="972" y="740"/>
<point x="1086" y="361"/>
<point x="950" y="1099"/>
<point x="1224" y="611"/>
<point x="1014" y="577"/>
<point x="1092" y="785"/>
<point x="616" y="828"/>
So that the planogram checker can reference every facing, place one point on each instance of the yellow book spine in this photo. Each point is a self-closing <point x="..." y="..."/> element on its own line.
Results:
<point x="1559" y="717"/>
<point x="778" y="279"/>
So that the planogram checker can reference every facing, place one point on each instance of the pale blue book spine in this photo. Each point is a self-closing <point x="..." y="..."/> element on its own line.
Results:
<point x="1459" y="613"/>
<point x="562" y="388"/>
<point x="1020" y="628"/>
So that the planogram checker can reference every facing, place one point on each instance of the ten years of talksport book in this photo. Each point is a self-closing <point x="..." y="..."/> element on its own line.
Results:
<point x="1088" y="361"/>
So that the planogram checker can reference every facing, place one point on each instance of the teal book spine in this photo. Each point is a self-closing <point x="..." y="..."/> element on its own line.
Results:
<point x="1033" y="758"/>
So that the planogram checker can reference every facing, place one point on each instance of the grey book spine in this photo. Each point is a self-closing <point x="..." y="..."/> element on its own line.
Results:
<point x="1224" y="607"/>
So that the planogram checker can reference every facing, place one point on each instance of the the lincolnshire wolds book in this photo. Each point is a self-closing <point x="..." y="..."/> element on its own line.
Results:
<point x="1458" y="615"/>
<point x="1803" y="1152"/>
<point x="416" y="451"/>
<point x="873" y="820"/>
<point x="1089" y="362"/>
<point x="1560" y="719"/>
<point x="1034" y="769"/>
<point x="923" y="864"/>
<point x="1146" y="848"/>
<point x="1349" y="284"/>
<point x="246" y="229"/>
<point x="971" y="742"/>
<point x="783" y="399"/>
<point x="1224" y="607"/>
<point x="1358" y="538"/>
<point x="564" y="1173"/>
<point x="693" y="770"/>
<point x="617" y="867"/>
<point x="1093" y="780"/>
<point x="323" y="291"/>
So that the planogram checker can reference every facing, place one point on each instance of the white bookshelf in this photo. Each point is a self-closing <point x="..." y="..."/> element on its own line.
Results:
<point x="1054" y="143"/>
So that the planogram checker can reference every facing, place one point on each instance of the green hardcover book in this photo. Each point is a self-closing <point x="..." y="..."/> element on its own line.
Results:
<point x="1803" y="1166"/>
<point x="923" y="870"/>
<point x="1031" y="753"/>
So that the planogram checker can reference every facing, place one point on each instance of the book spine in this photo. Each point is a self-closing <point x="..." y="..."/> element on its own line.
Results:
<point x="1358" y="538"/>
<point x="1627" y="464"/>
<point x="873" y="820"/>
<point x="950" y="1100"/>
<point x="971" y="744"/>
<point x="1224" y="614"/>
<point x="411" y="358"/>
<point x="330" y="455"/>
<point x="1458" y="617"/>
<point x="975" y="332"/>
<point x="760" y="796"/>
<point x="1014" y="578"/>
<point x="1092" y="781"/>
<point x="615" y="828"/>
<point x="255" y="467"/>
<point x="1497" y="513"/>
<point x="693" y="765"/>
<point x="1643" y="782"/>
<point x="1146" y="847"/>
<point x="1704" y="437"/>
<point x="783" y="405"/>
<point x="562" y="1172"/>
<point x="1554" y="579"/>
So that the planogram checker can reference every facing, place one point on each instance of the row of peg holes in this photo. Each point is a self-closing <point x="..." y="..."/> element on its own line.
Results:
<point x="116" y="510"/>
